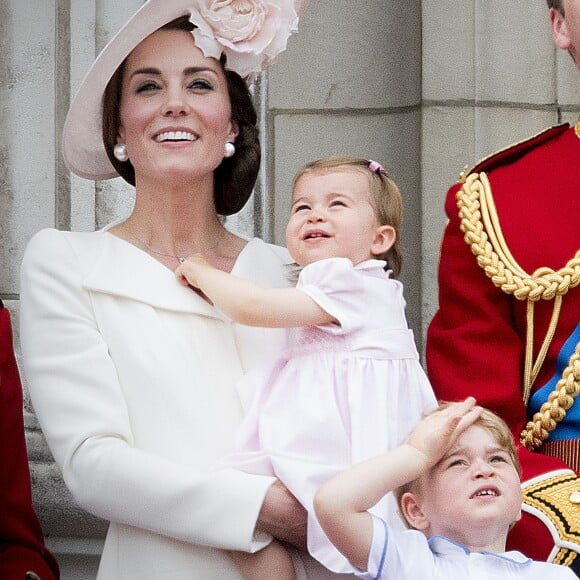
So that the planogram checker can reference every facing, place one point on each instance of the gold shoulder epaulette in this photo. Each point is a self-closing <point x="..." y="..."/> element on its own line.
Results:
<point x="512" y="150"/>
<point x="552" y="500"/>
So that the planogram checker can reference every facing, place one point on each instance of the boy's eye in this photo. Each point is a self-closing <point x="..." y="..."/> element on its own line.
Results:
<point x="337" y="202"/>
<point x="302" y="207"/>
<point x="456" y="462"/>
<point x="499" y="458"/>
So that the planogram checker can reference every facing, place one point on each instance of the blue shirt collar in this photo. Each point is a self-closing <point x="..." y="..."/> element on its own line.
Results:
<point x="443" y="546"/>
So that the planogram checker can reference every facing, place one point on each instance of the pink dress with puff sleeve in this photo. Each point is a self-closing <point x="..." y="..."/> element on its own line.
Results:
<point x="340" y="393"/>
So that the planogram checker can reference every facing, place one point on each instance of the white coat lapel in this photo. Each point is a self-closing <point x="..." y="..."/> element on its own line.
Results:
<point x="121" y="269"/>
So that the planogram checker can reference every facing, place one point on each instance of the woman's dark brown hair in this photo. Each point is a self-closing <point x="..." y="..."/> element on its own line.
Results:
<point x="235" y="177"/>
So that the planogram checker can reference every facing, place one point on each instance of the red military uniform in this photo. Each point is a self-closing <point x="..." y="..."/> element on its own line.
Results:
<point x="476" y="343"/>
<point x="23" y="554"/>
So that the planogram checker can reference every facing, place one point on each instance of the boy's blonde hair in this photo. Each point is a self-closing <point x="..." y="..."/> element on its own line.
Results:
<point x="488" y="421"/>
<point x="384" y="194"/>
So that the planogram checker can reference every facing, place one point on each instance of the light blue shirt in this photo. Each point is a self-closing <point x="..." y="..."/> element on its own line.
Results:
<point x="409" y="555"/>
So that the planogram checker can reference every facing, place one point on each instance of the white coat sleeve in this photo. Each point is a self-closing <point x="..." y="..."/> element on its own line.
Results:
<point x="81" y="409"/>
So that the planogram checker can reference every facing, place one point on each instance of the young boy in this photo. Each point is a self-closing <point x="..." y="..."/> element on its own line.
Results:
<point x="458" y="483"/>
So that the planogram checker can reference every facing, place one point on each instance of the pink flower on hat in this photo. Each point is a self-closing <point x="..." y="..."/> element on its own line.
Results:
<point x="252" y="33"/>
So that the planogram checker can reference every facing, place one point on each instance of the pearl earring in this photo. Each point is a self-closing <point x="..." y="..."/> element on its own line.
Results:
<point x="120" y="152"/>
<point x="229" y="149"/>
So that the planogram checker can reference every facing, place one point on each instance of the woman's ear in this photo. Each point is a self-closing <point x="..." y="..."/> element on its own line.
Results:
<point x="559" y="30"/>
<point x="234" y="131"/>
<point x="120" y="135"/>
<point x="385" y="237"/>
<point x="413" y="512"/>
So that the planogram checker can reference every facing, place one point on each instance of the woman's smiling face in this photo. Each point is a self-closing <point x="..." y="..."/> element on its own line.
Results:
<point x="175" y="109"/>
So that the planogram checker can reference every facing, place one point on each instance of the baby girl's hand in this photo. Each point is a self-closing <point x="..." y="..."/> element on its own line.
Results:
<point x="434" y="435"/>
<point x="189" y="271"/>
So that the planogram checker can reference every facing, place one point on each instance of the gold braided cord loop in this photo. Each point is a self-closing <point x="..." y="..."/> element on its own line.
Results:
<point x="480" y="224"/>
<point x="483" y="234"/>
<point x="554" y="409"/>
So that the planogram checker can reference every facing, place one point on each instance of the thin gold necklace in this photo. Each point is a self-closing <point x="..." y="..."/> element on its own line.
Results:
<point x="144" y="244"/>
<point x="180" y="259"/>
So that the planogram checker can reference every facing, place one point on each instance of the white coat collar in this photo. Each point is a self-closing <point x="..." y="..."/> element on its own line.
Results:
<point x="121" y="269"/>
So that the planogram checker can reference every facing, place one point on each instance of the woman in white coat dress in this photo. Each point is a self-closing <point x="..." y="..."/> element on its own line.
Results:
<point x="131" y="377"/>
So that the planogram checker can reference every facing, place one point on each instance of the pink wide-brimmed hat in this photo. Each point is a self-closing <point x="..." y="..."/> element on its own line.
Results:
<point x="251" y="40"/>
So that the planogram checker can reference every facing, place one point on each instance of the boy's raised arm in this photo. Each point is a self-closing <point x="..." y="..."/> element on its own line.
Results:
<point x="342" y="503"/>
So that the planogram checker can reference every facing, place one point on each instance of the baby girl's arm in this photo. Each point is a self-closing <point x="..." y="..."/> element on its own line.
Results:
<point x="341" y="504"/>
<point x="247" y="302"/>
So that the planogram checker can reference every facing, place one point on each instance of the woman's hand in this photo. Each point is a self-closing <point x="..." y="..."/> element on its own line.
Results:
<point x="283" y="516"/>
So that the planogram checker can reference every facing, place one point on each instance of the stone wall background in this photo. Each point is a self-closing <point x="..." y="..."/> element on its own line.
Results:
<point x="424" y="87"/>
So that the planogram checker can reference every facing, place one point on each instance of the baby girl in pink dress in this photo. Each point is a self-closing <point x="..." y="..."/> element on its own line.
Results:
<point x="350" y="385"/>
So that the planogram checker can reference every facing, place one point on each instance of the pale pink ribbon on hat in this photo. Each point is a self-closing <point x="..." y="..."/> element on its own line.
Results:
<point x="376" y="167"/>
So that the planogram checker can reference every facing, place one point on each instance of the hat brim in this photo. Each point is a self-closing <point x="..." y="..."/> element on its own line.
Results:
<point x="82" y="140"/>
